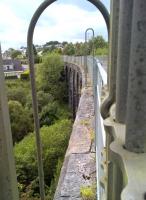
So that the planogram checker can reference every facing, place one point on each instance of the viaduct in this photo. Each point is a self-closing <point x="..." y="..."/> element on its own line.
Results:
<point x="115" y="110"/>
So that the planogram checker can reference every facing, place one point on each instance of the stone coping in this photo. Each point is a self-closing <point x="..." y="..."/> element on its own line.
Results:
<point x="79" y="168"/>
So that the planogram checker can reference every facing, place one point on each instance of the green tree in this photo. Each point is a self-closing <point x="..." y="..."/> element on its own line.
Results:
<point x="52" y="43"/>
<point x="50" y="76"/>
<point x="43" y="99"/>
<point x="53" y="137"/>
<point x="69" y="49"/>
<point x="64" y="43"/>
<point x="17" y="94"/>
<point x="21" y="123"/>
<point x="99" y="42"/>
<point x="15" y="54"/>
<point x="80" y="49"/>
<point x="48" y="116"/>
<point x="18" y="90"/>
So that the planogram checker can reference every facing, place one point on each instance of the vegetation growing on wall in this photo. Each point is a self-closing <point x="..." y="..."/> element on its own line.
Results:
<point x="88" y="192"/>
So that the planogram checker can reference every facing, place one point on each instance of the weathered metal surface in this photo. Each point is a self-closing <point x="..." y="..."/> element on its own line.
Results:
<point x="131" y="173"/>
<point x="8" y="183"/>
<point x="123" y="61"/>
<point x="136" y="103"/>
<point x="113" y="58"/>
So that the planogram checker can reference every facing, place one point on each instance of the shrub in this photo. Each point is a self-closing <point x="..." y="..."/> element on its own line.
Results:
<point x="54" y="142"/>
<point x="49" y="76"/>
<point x="48" y="116"/>
<point x="18" y="90"/>
<point x="43" y="99"/>
<point x="25" y="75"/>
<point x="101" y="51"/>
<point x="21" y="123"/>
<point x="88" y="192"/>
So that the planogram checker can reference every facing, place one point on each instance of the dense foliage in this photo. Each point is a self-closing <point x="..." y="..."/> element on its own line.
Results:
<point x="99" y="45"/>
<point x="55" y="140"/>
<point x="52" y="79"/>
<point x="53" y="113"/>
<point x="20" y="115"/>
<point x="21" y="122"/>
<point x="62" y="48"/>
<point x="55" y="125"/>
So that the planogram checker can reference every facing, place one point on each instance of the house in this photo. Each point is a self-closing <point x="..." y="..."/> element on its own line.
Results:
<point x="12" y="68"/>
<point x="11" y="65"/>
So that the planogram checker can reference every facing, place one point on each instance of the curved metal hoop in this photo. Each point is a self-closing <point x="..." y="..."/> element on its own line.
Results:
<point x="99" y="5"/>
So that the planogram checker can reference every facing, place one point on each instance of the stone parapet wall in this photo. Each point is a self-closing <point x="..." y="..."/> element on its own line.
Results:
<point x="79" y="167"/>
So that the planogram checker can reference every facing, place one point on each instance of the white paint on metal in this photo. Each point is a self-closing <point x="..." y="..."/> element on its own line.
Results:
<point x="102" y="72"/>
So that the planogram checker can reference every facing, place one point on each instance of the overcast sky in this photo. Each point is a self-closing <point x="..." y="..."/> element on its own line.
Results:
<point x="64" y="20"/>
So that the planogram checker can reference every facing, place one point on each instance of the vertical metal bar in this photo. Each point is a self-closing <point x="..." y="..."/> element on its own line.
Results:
<point x="114" y="48"/>
<point x="8" y="183"/>
<point x="110" y="44"/>
<point x="85" y="59"/>
<point x="36" y="121"/>
<point x="123" y="61"/>
<point x="113" y="58"/>
<point x="95" y="78"/>
<point x="86" y="67"/>
<point x="136" y="105"/>
<point x="34" y="98"/>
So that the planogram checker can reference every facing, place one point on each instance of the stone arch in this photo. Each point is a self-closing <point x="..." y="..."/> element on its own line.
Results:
<point x="66" y="73"/>
<point x="74" y="94"/>
<point x="70" y="76"/>
<point x="78" y="88"/>
<point x="74" y="85"/>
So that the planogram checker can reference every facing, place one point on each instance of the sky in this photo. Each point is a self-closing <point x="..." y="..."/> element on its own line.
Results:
<point x="64" y="20"/>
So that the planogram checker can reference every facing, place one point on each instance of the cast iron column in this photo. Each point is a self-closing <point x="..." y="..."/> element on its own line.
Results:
<point x="8" y="183"/>
<point x="136" y="105"/>
<point x="124" y="42"/>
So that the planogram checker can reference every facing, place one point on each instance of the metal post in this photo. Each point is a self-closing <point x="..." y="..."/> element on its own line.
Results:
<point x="8" y="183"/>
<point x="86" y="67"/>
<point x="85" y="59"/>
<point x="136" y="105"/>
<point x="124" y="42"/>
<point x="95" y="82"/>
<point x="113" y="58"/>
